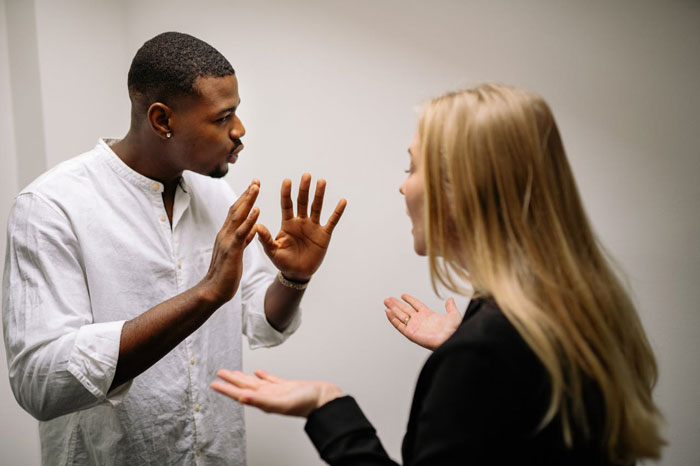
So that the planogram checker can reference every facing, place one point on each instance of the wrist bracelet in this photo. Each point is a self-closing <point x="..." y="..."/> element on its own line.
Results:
<point x="290" y="284"/>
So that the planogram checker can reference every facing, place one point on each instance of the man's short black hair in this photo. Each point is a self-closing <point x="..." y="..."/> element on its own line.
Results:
<point x="168" y="65"/>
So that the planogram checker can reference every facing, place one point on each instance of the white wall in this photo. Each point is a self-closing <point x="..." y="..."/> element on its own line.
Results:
<point x="331" y="87"/>
<point x="19" y="439"/>
<point x="83" y="66"/>
<point x="24" y="77"/>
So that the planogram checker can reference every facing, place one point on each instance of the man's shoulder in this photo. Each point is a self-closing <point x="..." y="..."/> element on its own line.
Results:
<point x="71" y="173"/>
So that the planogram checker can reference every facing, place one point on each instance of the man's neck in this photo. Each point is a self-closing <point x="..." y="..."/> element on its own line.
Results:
<point x="144" y="157"/>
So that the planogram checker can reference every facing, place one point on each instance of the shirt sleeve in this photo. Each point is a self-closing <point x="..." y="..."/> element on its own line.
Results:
<point x="59" y="360"/>
<point x="258" y="275"/>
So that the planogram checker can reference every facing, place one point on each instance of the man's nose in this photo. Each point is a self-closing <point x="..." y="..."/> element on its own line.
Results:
<point x="238" y="130"/>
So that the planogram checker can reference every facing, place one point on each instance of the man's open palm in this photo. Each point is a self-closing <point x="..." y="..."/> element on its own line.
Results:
<point x="301" y="244"/>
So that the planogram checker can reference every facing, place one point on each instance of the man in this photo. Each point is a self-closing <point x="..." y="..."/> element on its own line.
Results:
<point x="117" y="311"/>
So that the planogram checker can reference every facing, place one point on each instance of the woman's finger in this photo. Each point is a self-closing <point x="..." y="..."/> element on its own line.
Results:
<point x="266" y="402"/>
<point x="400" y="314"/>
<point x="239" y="379"/>
<point x="450" y="306"/>
<point x="246" y="397"/>
<point x="395" y="321"/>
<point x="415" y="304"/>
<point x="264" y="375"/>
<point x="400" y="305"/>
<point x="228" y="390"/>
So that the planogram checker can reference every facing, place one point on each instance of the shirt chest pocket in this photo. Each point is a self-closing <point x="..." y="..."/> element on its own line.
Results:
<point x="201" y="260"/>
<point x="195" y="266"/>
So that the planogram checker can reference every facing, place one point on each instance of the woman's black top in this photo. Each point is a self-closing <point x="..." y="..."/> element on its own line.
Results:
<point x="479" y="400"/>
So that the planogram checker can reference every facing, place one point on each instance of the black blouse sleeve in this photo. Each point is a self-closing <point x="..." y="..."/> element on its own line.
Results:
<point x="343" y="436"/>
<point x="461" y="415"/>
<point x="465" y="415"/>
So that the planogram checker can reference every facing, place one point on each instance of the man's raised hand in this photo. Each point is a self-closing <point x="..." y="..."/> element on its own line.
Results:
<point x="224" y="275"/>
<point x="301" y="244"/>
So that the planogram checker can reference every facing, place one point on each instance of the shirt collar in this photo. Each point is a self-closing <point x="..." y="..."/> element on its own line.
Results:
<point x="122" y="169"/>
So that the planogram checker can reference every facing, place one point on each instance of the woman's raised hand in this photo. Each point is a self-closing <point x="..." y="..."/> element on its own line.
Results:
<point x="421" y="325"/>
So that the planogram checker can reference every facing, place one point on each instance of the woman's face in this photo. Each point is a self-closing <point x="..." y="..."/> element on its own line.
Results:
<point x="412" y="189"/>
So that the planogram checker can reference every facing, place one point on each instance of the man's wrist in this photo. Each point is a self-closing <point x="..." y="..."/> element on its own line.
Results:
<point x="207" y="297"/>
<point x="293" y="282"/>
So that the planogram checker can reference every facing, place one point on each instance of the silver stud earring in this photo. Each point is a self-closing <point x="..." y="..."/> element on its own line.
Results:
<point x="168" y="135"/>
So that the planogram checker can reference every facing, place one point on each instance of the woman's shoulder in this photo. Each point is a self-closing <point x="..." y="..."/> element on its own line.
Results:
<point x="487" y="347"/>
<point x="486" y="328"/>
<point x="484" y="380"/>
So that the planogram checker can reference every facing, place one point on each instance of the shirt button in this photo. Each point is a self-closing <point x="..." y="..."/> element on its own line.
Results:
<point x="196" y="407"/>
<point x="162" y="217"/>
<point x="192" y="361"/>
<point x="179" y="264"/>
<point x="155" y="186"/>
<point x="198" y="452"/>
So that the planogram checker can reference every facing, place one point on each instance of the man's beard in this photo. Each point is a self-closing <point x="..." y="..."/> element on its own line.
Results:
<point x="219" y="172"/>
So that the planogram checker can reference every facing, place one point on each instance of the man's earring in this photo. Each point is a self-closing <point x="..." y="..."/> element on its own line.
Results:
<point x="168" y="135"/>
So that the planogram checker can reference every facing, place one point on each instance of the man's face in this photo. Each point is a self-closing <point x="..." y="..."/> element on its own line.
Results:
<point x="206" y="131"/>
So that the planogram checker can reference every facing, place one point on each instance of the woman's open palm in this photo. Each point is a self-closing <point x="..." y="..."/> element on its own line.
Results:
<point x="421" y="325"/>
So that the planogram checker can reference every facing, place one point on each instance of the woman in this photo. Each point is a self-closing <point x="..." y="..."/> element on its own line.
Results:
<point x="550" y="364"/>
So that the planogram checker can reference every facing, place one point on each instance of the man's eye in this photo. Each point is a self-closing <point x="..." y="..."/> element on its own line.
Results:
<point x="224" y="119"/>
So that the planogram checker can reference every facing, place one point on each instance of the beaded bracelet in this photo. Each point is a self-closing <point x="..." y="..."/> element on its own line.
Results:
<point x="290" y="284"/>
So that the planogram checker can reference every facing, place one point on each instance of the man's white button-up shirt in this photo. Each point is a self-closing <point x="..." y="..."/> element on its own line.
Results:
<point x="89" y="247"/>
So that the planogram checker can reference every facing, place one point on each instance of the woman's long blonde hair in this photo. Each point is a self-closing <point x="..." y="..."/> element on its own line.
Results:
<point x="504" y="215"/>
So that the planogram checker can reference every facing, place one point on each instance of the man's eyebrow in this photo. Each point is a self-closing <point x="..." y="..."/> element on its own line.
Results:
<point x="230" y="109"/>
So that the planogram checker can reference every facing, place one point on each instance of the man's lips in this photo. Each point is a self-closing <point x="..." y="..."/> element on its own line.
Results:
<point x="233" y="155"/>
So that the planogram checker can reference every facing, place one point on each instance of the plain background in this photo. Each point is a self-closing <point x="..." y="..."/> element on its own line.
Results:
<point x="332" y="88"/>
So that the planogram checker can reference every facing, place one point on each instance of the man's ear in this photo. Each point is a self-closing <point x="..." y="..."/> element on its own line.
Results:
<point x="159" y="116"/>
